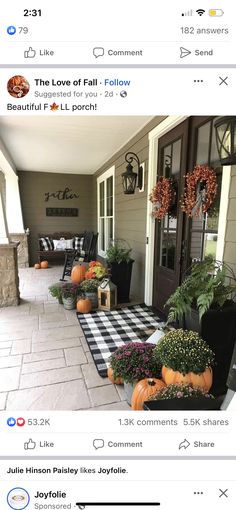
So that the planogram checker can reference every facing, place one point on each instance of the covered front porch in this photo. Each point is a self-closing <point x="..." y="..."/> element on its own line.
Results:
<point x="45" y="362"/>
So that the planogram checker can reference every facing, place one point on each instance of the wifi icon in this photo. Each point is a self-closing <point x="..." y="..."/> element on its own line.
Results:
<point x="200" y="12"/>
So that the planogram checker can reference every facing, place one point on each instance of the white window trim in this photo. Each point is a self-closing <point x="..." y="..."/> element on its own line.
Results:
<point x="224" y="204"/>
<point x="103" y="177"/>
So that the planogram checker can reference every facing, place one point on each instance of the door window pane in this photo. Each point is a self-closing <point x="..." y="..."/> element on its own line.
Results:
<point x="164" y="241"/>
<point x="167" y="157"/>
<point x="210" y="243"/>
<point x="214" y="150"/>
<point x="176" y="155"/>
<point x="171" y="250"/>
<point x="203" y="144"/>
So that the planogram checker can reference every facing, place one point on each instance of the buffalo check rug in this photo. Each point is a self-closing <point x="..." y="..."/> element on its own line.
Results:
<point x="105" y="331"/>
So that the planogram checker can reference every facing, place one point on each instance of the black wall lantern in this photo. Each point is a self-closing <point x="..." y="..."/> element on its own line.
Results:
<point x="226" y="139"/>
<point x="129" y="177"/>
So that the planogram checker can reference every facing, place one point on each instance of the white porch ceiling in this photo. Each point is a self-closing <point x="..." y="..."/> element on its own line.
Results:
<point x="78" y="145"/>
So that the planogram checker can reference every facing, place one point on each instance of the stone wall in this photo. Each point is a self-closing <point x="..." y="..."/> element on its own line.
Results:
<point x="22" y="249"/>
<point x="9" y="279"/>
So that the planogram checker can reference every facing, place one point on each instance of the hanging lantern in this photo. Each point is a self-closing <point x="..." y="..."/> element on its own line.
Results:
<point x="226" y="140"/>
<point x="129" y="177"/>
<point x="107" y="295"/>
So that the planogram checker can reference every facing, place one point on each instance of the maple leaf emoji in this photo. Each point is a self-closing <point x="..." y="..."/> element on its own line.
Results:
<point x="54" y="107"/>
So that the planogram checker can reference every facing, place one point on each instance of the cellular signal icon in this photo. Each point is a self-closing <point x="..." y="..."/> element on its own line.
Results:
<point x="188" y="13"/>
<point x="200" y="12"/>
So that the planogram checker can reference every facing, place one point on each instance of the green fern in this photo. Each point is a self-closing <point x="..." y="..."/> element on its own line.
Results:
<point x="203" y="288"/>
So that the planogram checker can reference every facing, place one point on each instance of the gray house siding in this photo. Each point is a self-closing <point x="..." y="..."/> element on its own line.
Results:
<point x="130" y="210"/>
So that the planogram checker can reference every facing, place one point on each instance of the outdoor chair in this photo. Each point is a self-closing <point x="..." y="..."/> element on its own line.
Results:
<point x="87" y="253"/>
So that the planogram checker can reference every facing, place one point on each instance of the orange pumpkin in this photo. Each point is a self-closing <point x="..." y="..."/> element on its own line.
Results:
<point x="110" y="375"/>
<point x="37" y="266"/>
<point x="44" y="264"/>
<point x="78" y="273"/>
<point x="143" y="390"/>
<point x="84" y="305"/>
<point x="203" y="380"/>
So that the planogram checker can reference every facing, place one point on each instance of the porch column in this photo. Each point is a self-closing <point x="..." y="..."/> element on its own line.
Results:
<point x="3" y="223"/>
<point x="13" y="204"/>
<point x="9" y="280"/>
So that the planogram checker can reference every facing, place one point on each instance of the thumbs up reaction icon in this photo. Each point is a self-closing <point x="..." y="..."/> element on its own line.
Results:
<point x="30" y="53"/>
<point x="30" y="445"/>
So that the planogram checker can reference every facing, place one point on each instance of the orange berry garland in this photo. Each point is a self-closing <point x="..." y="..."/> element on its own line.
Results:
<point x="162" y="197"/>
<point x="190" y="203"/>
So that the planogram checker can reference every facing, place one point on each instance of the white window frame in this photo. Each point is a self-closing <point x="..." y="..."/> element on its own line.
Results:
<point x="103" y="178"/>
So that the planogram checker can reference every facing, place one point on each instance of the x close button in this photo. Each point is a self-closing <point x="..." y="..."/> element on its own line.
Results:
<point x="223" y="81"/>
<point x="223" y="493"/>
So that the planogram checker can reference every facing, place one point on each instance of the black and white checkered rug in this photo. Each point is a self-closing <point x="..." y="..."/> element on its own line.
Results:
<point x="106" y="331"/>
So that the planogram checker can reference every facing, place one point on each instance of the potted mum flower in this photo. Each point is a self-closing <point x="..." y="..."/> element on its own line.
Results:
<point x="132" y="362"/>
<point x="181" y="397"/>
<point x="69" y="292"/>
<point x="185" y="358"/>
<point x="89" y="289"/>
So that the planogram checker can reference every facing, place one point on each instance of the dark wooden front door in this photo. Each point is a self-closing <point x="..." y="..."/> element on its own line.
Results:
<point x="169" y="248"/>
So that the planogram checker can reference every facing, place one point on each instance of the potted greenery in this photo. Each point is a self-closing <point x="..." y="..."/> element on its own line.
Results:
<point x="89" y="289"/>
<point x="56" y="291"/>
<point x="177" y="397"/>
<point x="69" y="295"/>
<point x="204" y="288"/>
<point x="132" y="362"/>
<point x="120" y="265"/>
<point x="185" y="358"/>
<point x="205" y="303"/>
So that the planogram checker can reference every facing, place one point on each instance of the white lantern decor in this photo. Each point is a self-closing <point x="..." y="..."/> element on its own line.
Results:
<point x="107" y="295"/>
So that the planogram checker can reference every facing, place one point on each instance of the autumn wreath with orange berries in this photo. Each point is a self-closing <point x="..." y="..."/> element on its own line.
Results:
<point x="162" y="197"/>
<point x="200" y="191"/>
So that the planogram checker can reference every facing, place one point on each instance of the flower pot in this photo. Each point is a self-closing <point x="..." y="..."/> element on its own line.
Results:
<point x="121" y="277"/>
<point x="218" y="330"/>
<point x="69" y="302"/>
<point x="93" y="297"/>
<point x="129" y="388"/>
<point x="191" y="321"/>
<point x="182" y="404"/>
<point x="202" y="380"/>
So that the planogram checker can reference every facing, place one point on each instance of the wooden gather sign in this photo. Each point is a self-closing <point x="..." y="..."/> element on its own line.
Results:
<point x="65" y="194"/>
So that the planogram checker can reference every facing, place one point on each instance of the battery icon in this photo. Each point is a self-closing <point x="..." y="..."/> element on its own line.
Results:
<point x="216" y="12"/>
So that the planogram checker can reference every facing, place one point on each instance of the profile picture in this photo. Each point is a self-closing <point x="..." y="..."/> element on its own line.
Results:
<point x="18" y="86"/>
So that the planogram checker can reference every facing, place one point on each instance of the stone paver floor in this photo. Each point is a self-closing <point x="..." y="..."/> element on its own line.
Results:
<point x="45" y="363"/>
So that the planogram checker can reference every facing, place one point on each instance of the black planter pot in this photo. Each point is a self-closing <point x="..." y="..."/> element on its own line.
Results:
<point x="192" y="322"/>
<point x="121" y="277"/>
<point x="218" y="329"/>
<point x="182" y="404"/>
